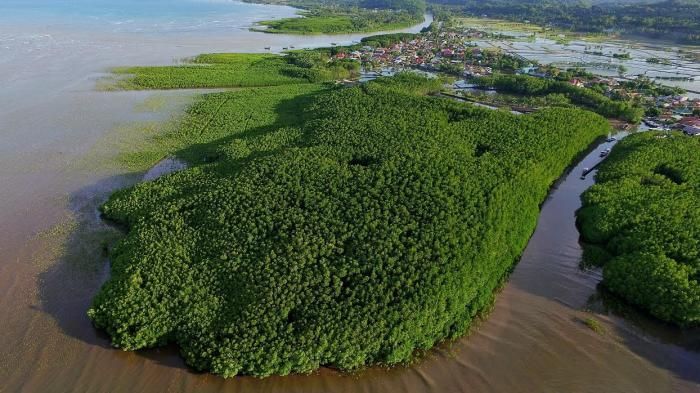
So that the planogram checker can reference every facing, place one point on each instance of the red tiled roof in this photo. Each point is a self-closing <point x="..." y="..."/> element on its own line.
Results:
<point x="690" y="121"/>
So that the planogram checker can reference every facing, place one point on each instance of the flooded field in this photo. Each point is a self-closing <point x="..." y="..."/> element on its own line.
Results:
<point x="682" y="67"/>
<point x="58" y="140"/>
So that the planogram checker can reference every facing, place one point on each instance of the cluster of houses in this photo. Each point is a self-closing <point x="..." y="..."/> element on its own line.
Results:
<point x="679" y="112"/>
<point x="690" y="125"/>
<point x="428" y="53"/>
<point x="674" y="111"/>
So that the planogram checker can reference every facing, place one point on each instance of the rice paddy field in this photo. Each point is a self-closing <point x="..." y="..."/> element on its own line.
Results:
<point x="597" y="53"/>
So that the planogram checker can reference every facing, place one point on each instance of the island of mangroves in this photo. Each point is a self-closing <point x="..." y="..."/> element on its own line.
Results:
<point x="325" y="222"/>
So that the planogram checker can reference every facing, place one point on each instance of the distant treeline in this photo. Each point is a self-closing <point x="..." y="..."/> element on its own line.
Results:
<point x="677" y="20"/>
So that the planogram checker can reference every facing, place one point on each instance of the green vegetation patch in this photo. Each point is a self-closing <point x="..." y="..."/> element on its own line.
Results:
<point x="334" y="23"/>
<point x="235" y="70"/>
<point x="348" y="17"/>
<point x="643" y="218"/>
<point x="198" y="135"/>
<point x="310" y="24"/>
<point x="386" y="40"/>
<point x="531" y="86"/>
<point x="594" y="325"/>
<point x="344" y="227"/>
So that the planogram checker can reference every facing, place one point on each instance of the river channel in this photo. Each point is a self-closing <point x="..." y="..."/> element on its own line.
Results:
<point x="53" y="174"/>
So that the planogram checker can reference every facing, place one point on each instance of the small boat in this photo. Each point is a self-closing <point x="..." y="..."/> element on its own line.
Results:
<point x="291" y="46"/>
<point x="285" y="48"/>
<point x="333" y="43"/>
<point x="267" y="48"/>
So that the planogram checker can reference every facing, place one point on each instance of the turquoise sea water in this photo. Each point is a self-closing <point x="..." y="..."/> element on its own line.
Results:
<point x="135" y="15"/>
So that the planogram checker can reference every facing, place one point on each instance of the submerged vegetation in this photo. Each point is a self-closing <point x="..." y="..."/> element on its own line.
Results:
<point x="319" y="225"/>
<point x="642" y="224"/>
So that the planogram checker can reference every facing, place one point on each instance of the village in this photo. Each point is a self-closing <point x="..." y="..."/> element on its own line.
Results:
<point x="455" y="53"/>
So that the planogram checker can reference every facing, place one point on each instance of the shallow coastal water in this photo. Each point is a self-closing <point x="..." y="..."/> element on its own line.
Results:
<point x="56" y="166"/>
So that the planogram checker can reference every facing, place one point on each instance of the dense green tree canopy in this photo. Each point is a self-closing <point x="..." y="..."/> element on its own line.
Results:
<point x="587" y="98"/>
<point x="642" y="223"/>
<point x="375" y="222"/>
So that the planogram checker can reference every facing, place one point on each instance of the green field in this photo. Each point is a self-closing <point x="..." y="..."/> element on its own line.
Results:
<point x="321" y="225"/>
<point x="641" y="222"/>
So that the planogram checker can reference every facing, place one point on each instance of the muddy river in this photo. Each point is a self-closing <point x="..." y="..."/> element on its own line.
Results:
<point x="58" y="138"/>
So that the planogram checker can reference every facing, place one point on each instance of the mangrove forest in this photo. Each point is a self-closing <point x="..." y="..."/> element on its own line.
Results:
<point x="319" y="225"/>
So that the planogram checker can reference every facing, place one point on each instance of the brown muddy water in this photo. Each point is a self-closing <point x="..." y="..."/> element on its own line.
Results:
<point x="55" y="170"/>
